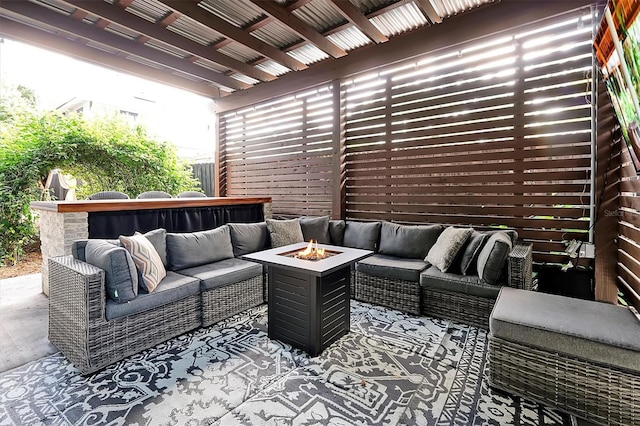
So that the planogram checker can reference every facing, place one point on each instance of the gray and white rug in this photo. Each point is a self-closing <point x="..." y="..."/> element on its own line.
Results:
<point x="392" y="369"/>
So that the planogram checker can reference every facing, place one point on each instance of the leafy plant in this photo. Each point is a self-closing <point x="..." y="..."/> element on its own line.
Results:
<point x="104" y="154"/>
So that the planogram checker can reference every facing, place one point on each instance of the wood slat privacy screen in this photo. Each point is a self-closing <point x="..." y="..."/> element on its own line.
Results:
<point x="629" y="230"/>
<point x="497" y="132"/>
<point x="282" y="149"/>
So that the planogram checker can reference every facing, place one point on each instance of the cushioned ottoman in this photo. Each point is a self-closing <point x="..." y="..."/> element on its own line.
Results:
<point x="580" y="356"/>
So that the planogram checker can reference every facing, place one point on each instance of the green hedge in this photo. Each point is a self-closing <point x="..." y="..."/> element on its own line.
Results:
<point x="104" y="154"/>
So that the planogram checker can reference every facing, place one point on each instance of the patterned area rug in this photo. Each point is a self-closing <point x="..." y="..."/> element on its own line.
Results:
<point x="392" y="369"/>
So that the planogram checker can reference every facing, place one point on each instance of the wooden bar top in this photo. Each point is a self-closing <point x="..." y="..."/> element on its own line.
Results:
<point x="141" y="204"/>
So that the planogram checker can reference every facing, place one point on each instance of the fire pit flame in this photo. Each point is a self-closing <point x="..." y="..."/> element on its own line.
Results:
<point x="312" y="252"/>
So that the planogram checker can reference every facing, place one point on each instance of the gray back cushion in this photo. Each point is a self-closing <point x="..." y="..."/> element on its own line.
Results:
<point x="121" y="275"/>
<point x="493" y="256"/>
<point x="362" y="235"/>
<point x="315" y="228"/>
<point x="158" y="238"/>
<point x="411" y="241"/>
<point x="197" y="248"/>
<point x="78" y="247"/>
<point x="470" y="252"/>
<point x="249" y="237"/>
<point x="512" y="234"/>
<point x="336" y="232"/>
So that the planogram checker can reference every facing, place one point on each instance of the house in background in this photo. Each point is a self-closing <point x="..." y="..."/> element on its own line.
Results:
<point x="156" y="111"/>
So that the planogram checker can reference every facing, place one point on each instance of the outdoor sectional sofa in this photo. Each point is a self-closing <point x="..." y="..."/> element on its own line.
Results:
<point x="100" y="313"/>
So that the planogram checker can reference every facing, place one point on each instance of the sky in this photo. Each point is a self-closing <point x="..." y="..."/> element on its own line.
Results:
<point x="178" y="116"/>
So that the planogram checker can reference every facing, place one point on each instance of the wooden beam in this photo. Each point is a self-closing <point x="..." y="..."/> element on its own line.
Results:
<point x="353" y="15"/>
<point x="451" y="32"/>
<point x="27" y="34"/>
<point x="168" y="19"/>
<point x="344" y="26"/>
<point x="297" y="4"/>
<point x="267" y="19"/>
<point x="300" y="27"/>
<point x="78" y="28"/>
<point x="190" y="9"/>
<point x="120" y="16"/>
<point x="429" y="11"/>
<point x="293" y="6"/>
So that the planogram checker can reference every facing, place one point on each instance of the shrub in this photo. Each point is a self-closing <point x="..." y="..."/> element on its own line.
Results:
<point x="104" y="154"/>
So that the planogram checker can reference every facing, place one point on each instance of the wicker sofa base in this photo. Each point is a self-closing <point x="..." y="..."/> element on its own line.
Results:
<point x="597" y="393"/>
<point x="460" y="307"/>
<point x="81" y="332"/>
<point x="222" y="302"/>
<point x="396" y="294"/>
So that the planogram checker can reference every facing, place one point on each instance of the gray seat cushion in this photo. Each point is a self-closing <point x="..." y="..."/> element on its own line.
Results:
<point x="593" y="331"/>
<point x="398" y="268"/>
<point x="467" y="284"/>
<point x="223" y="272"/>
<point x="172" y="288"/>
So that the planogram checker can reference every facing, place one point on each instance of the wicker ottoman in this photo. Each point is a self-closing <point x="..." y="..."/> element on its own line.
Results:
<point x="580" y="356"/>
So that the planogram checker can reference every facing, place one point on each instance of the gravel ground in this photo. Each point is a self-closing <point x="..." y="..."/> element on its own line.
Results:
<point x="29" y="264"/>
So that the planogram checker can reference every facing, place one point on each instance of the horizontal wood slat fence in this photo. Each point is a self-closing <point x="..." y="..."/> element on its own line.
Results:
<point x="628" y="218"/>
<point x="493" y="133"/>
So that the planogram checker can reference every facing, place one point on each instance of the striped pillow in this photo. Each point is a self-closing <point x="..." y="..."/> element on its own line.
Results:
<point x="146" y="259"/>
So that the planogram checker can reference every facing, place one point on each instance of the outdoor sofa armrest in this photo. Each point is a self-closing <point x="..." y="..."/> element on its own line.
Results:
<point x="76" y="302"/>
<point x="520" y="266"/>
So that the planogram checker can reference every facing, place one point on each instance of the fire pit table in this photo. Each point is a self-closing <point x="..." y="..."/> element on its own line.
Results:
<point x="308" y="297"/>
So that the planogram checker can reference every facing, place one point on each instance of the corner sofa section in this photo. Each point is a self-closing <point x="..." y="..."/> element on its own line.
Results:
<point x="204" y="284"/>
<point x="400" y="276"/>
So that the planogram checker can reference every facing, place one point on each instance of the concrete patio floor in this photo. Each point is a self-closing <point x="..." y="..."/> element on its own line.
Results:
<point x="24" y="321"/>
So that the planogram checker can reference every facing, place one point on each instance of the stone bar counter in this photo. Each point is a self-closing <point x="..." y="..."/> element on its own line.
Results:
<point x="63" y="222"/>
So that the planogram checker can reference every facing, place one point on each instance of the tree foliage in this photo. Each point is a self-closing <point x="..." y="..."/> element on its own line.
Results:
<point x="104" y="154"/>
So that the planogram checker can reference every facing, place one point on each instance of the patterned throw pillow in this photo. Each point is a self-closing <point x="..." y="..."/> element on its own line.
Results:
<point x="284" y="232"/>
<point x="444" y="251"/>
<point x="146" y="258"/>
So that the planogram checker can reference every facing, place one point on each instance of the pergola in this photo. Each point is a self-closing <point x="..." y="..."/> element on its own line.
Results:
<point x="411" y="111"/>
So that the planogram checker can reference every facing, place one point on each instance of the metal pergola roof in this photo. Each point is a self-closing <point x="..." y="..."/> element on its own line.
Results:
<point x="216" y="47"/>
